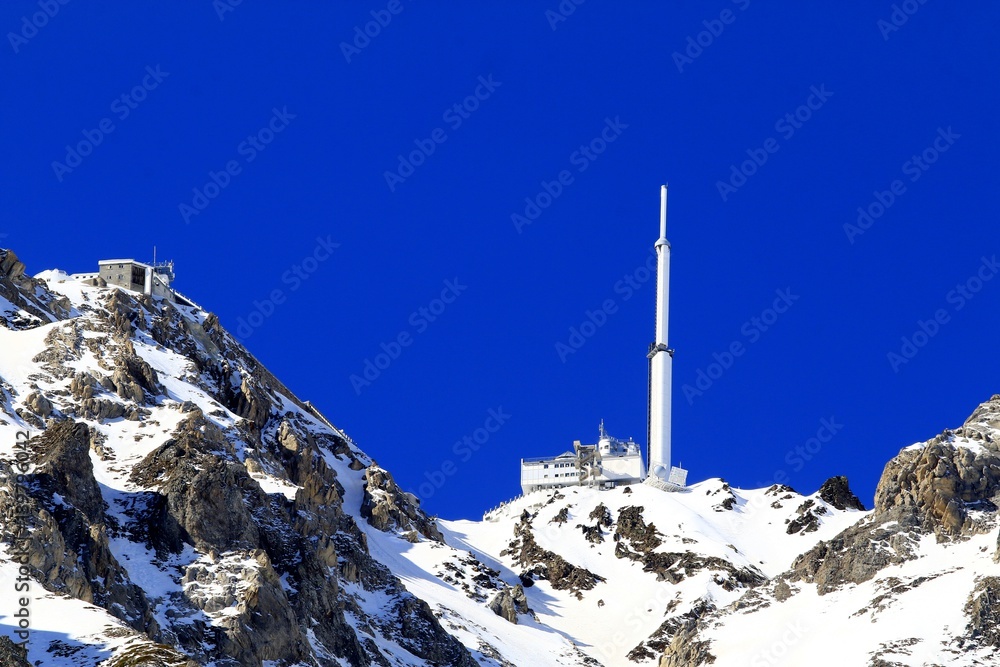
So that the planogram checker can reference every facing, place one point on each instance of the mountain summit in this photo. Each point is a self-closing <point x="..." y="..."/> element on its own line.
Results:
<point x="166" y="500"/>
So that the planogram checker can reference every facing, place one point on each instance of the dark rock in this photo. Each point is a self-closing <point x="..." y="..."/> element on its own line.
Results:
<point x="68" y="549"/>
<point x="11" y="654"/>
<point x="545" y="564"/>
<point x="983" y="610"/>
<point x="561" y="517"/>
<point x="602" y="515"/>
<point x="837" y="492"/>
<point x="633" y="529"/>
<point x="808" y="519"/>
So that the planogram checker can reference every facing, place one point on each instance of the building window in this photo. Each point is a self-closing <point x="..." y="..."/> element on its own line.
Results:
<point x="138" y="275"/>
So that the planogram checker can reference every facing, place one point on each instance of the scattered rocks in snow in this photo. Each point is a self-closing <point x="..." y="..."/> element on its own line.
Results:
<point x="808" y="520"/>
<point x="544" y="564"/>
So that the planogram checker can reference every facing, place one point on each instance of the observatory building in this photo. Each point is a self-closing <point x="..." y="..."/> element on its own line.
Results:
<point x="151" y="279"/>
<point x="612" y="462"/>
<point x="136" y="276"/>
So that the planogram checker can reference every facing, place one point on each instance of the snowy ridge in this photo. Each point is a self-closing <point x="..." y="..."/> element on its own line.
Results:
<point x="232" y="524"/>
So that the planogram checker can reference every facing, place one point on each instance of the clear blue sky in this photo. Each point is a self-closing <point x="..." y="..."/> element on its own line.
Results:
<point x="309" y="128"/>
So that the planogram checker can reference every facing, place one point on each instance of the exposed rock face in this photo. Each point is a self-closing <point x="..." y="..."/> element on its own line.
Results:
<point x="12" y="655"/>
<point x="633" y="532"/>
<point x="546" y="564"/>
<point x="808" y="519"/>
<point x="387" y="507"/>
<point x="948" y="487"/>
<point x="37" y="403"/>
<point x="939" y="488"/>
<point x="509" y="602"/>
<point x="638" y="540"/>
<point x="38" y="305"/>
<point x="856" y="555"/>
<point x="263" y="626"/>
<point x="983" y="610"/>
<point x="686" y="650"/>
<point x="837" y="492"/>
<point x="68" y="547"/>
<point x="602" y="515"/>
<point x="938" y="485"/>
<point x="262" y="576"/>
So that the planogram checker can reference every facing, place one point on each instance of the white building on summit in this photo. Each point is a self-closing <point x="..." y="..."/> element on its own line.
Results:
<point x="153" y="279"/>
<point x="613" y="462"/>
<point x="609" y="463"/>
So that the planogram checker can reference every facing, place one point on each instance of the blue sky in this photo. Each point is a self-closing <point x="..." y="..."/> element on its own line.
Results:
<point x="472" y="183"/>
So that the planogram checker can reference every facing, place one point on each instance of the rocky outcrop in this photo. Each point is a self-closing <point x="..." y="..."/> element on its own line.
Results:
<point x="544" y="564"/>
<point x="638" y="541"/>
<point x="67" y="546"/>
<point x="36" y="303"/>
<point x="983" y="610"/>
<point x="686" y="650"/>
<point x="256" y="620"/>
<point x="857" y="554"/>
<point x="509" y="602"/>
<point x="837" y="492"/>
<point x="937" y="485"/>
<point x="38" y="404"/>
<point x="388" y="508"/>
<point x="808" y="519"/>
<point x="11" y="654"/>
<point x="632" y="531"/>
<point x="268" y="567"/>
<point x="948" y="487"/>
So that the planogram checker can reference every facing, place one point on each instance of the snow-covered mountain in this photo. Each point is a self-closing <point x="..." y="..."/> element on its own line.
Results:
<point x="178" y="505"/>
